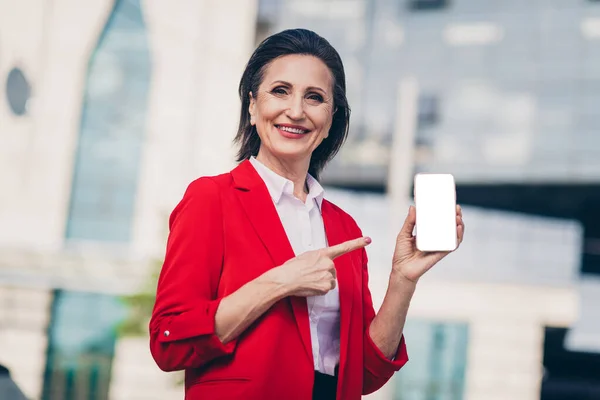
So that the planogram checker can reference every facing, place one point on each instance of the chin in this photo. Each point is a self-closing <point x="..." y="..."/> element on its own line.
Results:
<point x="291" y="150"/>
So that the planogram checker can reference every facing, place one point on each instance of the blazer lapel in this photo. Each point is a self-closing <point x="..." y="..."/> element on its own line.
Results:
<point x="258" y="206"/>
<point x="345" y="275"/>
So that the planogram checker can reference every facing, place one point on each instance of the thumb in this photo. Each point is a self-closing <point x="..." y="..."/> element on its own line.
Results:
<point x="409" y="223"/>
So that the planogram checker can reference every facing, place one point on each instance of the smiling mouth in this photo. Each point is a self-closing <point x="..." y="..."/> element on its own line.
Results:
<point x="297" y="131"/>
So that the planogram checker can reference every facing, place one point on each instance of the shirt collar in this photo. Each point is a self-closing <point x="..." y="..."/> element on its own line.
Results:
<point x="277" y="185"/>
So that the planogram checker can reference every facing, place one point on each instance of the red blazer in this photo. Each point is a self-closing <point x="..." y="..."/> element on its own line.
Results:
<point x="224" y="233"/>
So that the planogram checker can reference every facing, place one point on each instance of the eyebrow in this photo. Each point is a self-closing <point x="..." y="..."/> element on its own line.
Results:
<point x="289" y="84"/>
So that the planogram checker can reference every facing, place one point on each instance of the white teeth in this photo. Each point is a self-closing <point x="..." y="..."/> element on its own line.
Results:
<point x="292" y="130"/>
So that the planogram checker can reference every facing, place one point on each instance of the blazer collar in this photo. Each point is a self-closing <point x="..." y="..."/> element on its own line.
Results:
<point x="245" y="176"/>
<point x="251" y="174"/>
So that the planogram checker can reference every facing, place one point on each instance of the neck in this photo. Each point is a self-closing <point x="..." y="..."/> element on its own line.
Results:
<point x="293" y="170"/>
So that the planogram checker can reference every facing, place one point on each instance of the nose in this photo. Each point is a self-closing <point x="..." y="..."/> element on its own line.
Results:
<point x="295" y="110"/>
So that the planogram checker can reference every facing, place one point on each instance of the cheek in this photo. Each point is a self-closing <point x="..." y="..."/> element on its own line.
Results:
<point x="267" y="108"/>
<point x="325" y="121"/>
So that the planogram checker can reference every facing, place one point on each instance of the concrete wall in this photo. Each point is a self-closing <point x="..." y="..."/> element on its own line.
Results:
<point x="198" y="49"/>
<point x="23" y="321"/>
<point x="37" y="150"/>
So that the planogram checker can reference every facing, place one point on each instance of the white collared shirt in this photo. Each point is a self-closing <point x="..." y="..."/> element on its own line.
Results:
<point x="304" y="227"/>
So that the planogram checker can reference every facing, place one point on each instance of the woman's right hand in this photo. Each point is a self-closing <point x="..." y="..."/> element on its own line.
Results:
<point x="313" y="273"/>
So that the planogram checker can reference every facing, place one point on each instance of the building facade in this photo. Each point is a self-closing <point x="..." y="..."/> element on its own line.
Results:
<point x="112" y="108"/>
<point x="502" y="94"/>
<point x="108" y="111"/>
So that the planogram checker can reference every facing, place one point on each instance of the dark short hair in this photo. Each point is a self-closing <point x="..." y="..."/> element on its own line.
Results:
<point x="294" y="41"/>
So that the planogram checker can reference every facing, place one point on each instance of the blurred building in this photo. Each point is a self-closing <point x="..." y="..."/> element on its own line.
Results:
<point x="504" y="95"/>
<point x="110" y="108"/>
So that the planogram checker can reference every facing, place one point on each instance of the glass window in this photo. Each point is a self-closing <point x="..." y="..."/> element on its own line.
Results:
<point x="112" y="130"/>
<point x="419" y="5"/>
<point x="568" y="374"/>
<point x="428" y="113"/>
<point x="475" y="7"/>
<point x="18" y="91"/>
<point x="81" y="343"/>
<point x="438" y="358"/>
<point x="513" y="100"/>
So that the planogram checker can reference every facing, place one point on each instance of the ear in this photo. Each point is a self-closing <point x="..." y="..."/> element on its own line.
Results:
<point x="252" y="109"/>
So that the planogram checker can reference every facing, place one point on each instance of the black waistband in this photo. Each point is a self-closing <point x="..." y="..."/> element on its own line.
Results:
<point x="325" y="387"/>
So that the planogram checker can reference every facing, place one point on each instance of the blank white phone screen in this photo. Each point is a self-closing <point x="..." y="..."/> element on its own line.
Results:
<point x="435" y="202"/>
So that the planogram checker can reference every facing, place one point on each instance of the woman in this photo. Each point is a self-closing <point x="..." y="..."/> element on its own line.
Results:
<point x="264" y="290"/>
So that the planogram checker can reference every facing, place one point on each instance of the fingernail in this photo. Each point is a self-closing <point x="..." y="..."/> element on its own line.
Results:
<point x="368" y="240"/>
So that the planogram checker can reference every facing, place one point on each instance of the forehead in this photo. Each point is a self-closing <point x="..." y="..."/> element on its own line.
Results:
<point x="299" y="70"/>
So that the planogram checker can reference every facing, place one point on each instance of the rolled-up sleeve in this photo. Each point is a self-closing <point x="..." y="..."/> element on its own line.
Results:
<point x="182" y="326"/>
<point x="378" y="369"/>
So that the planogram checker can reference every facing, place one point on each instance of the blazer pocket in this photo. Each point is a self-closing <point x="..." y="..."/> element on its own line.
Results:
<point x="230" y="388"/>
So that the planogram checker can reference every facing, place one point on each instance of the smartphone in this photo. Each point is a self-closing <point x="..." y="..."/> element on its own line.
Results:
<point x="435" y="203"/>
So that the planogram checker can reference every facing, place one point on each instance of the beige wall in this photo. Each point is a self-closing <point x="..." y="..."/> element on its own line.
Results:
<point x="136" y="377"/>
<point x="23" y="321"/>
<point x="193" y="105"/>
<point x="192" y="115"/>
<point x="192" y="118"/>
<point x="37" y="150"/>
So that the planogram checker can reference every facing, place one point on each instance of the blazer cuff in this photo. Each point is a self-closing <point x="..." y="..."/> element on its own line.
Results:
<point x="378" y="364"/>
<point x="199" y="322"/>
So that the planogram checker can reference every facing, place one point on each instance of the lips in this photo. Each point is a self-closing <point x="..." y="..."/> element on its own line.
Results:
<point x="293" y="129"/>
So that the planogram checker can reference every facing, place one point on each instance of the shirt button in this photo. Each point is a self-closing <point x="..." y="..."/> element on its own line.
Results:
<point x="166" y="333"/>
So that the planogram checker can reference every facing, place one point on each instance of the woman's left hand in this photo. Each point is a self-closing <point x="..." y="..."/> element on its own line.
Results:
<point x="412" y="263"/>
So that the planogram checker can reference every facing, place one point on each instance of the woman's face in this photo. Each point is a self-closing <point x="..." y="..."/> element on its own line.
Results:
<point x="293" y="108"/>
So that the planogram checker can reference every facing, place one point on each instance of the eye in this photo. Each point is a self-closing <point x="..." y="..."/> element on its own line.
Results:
<point x="279" y="90"/>
<point x="315" y="97"/>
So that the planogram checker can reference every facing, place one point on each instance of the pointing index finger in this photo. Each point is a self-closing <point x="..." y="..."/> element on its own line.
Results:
<point x="346" y="247"/>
